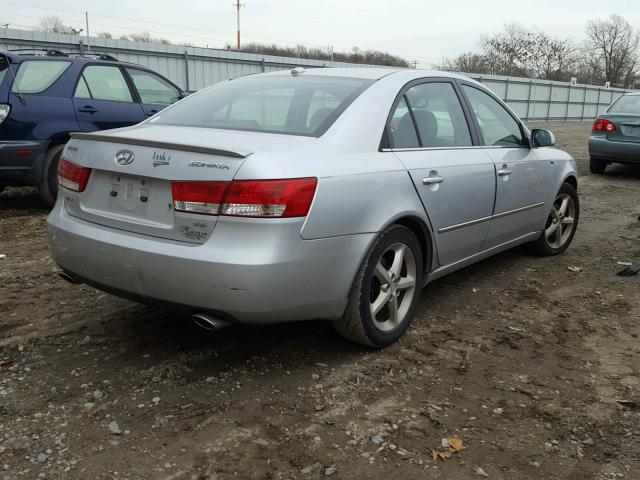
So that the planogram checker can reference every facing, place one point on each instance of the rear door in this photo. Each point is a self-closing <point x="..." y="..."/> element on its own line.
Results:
<point x="525" y="177"/>
<point x="455" y="179"/>
<point x="103" y="99"/>
<point x="155" y="92"/>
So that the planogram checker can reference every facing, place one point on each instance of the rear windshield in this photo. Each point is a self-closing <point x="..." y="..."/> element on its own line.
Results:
<point x="295" y="105"/>
<point x="629" y="104"/>
<point x="35" y="76"/>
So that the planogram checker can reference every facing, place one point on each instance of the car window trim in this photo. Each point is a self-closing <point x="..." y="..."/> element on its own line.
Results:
<point x="132" y="84"/>
<point x="483" y="143"/>
<point x="385" y="141"/>
<point x="133" y="94"/>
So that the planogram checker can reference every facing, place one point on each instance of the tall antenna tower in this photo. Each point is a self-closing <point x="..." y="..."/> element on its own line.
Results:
<point x="238" y="5"/>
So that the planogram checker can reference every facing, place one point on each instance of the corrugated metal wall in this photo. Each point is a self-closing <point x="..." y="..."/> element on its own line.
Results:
<point x="193" y="68"/>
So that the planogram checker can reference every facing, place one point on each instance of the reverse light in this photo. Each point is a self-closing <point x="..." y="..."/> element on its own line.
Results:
<point x="246" y="198"/>
<point x="4" y="111"/>
<point x="198" y="197"/>
<point x="604" y="125"/>
<point x="72" y="176"/>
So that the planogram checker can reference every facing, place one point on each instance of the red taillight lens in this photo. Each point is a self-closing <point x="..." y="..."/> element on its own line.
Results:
<point x="72" y="176"/>
<point x="270" y="198"/>
<point x="198" y="197"/>
<point x="604" y="125"/>
<point x="246" y="198"/>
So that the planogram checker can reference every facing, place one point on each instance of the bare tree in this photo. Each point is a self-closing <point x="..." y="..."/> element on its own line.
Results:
<point x="551" y="58"/>
<point x="615" y="44"/>
<point x="104" y="35"/>
<point x="467" y="63"/>
<point x="55" y="24"/>
<point x="508" y="52"/>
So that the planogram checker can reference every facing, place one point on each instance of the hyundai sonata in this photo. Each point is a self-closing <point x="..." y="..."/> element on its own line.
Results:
<point x="321" y="194"/>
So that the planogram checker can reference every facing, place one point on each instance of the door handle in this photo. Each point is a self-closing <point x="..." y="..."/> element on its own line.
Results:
<point x="503" y="172"/>
<point x="432" y="180"/>
<point x="87" y="109"/>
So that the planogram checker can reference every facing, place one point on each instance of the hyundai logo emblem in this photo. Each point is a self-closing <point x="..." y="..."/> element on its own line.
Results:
<point x="124" y="157"/>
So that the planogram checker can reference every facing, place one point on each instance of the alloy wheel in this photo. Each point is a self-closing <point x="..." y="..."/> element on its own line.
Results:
<point x="560" y="223"/>
<point x="393" y="287"/>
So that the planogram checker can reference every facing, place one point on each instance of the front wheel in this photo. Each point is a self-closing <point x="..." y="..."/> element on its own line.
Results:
<point x="561" y="224"/>
<point x="386" y="290"/>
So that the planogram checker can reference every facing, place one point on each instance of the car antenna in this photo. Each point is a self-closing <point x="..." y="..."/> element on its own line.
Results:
<point x="13" y="74"/>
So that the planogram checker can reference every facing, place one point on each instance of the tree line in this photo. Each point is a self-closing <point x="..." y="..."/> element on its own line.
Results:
<point x="609" y="53"/>
<point x="374" y="57"/>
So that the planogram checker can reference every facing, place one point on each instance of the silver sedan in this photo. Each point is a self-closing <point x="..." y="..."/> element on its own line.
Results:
<point x="331" y="193"/>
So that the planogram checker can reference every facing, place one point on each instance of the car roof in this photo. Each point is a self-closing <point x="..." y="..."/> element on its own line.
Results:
<point x="67" y="57"/>
<point x="370" y="73"/>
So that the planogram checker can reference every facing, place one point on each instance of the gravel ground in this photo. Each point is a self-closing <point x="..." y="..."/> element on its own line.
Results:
<point x="533" y="366"/>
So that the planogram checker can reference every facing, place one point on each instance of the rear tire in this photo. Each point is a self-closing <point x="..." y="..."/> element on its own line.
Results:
<point x="597" y="166"/>
<point x="48" y="187"/>
<point x="388" y="283"/>
<point x="561" y="224"/>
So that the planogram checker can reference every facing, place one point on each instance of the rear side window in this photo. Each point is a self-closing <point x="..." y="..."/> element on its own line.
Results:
<point x="498" y="127"/>
<point x="153" y="89"/>
<point x="35" y="76"/>
<point x="4" y="66"/>
<point x="287" y="104"/>
<point x="102" y="82"/>
<point x="626" y="104"/>
<point x="438" y="115"/>
<point x="402" y="131"/>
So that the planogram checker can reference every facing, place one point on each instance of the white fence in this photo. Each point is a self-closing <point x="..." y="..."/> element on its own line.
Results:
<point x="193" y="68"/>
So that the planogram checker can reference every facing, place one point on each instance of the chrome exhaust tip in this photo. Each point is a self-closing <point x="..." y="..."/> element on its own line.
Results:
<point x="209" y="322"/>
<point x="68" y="278"/>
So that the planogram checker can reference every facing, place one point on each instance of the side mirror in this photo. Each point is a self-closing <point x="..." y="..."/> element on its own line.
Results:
<point x="542" y="138"/>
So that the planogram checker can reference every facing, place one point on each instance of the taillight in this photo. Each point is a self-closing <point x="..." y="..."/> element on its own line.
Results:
<point x="604" y="125"/>
<point x="4" y="111"/>
<point x="198" y="197"/>
<point x="72" y="176"/>
<point x="246" y="198"/>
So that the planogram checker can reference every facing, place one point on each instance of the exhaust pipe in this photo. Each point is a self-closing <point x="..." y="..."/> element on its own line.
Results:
<point x="68" y="278"/>
<point x="209" y="322"/>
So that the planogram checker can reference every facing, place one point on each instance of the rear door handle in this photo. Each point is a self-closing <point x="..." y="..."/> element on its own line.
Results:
<point x="87" y="109"/>
<point x="432" y="180"/>
<point x="503" y="172"/>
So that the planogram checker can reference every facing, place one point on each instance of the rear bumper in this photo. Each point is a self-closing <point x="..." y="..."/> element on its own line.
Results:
<point x="254" y="270"/>
<point x="21" y="160"/>
<point x="623" y="152"/>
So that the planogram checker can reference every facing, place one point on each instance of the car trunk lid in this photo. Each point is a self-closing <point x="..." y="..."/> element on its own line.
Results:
<point x="130" y="186"/>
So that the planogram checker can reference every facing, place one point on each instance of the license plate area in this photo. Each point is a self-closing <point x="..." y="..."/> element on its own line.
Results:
<point x="631" y="130"/>
<point x="129" y="194"/>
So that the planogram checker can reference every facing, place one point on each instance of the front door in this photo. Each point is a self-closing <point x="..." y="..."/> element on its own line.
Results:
<point x="103" y="100"/>
<point x="525" y="179"/>
<point x="430" y="134"/>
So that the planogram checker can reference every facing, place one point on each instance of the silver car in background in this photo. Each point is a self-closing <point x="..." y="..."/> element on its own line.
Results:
<point x="321" y="194"/>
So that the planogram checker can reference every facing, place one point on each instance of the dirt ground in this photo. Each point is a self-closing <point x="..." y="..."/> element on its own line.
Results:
<point x="534" y="367"/>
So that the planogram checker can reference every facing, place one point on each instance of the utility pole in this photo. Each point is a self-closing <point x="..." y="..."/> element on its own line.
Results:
<point x="86" y="18"/>
<point x="238" y="5"/>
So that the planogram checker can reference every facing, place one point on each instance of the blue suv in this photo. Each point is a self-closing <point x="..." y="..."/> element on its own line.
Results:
<point x="44" y="96"/>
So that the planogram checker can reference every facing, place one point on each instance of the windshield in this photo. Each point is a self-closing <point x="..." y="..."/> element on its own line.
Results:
<point x="294" y="105"/>
<point x="626" y="104"/>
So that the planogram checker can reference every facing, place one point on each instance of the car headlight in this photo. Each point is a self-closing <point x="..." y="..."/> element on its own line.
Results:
<point x="4" y="112"/>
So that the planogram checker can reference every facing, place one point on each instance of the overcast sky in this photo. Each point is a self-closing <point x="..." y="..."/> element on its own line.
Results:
<point x="422" y="30"/>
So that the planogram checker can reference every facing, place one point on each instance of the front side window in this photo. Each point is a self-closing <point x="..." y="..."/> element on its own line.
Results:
<point x="626" y="105"/>
<point x="35" y="76"/>
<point x="101" y="82"/>
<point x="497" y="126"/>
<point x="153" y="90"/>
<point x="438" y="115"/>
<point x="294" y="105"/>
